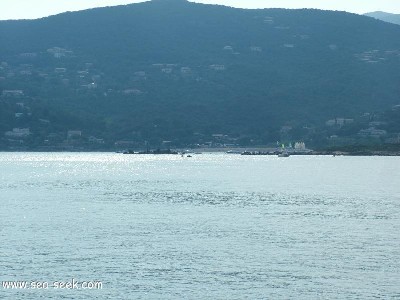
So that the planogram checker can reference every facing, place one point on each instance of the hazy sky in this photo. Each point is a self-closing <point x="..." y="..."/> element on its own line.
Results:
<point x="31" y="9"/>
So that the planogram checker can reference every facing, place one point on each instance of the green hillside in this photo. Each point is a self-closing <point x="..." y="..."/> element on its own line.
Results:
<point x="191" y="74"/>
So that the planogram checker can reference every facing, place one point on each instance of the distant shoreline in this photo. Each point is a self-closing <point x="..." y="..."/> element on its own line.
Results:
<point x="256" y="151"/>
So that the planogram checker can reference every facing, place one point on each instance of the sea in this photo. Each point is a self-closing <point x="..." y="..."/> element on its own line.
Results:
<point x="210" y="226"/>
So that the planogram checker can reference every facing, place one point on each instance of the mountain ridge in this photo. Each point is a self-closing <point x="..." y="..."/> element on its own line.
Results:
<point x="384" y="16"/>
<point x="182" y="71"/>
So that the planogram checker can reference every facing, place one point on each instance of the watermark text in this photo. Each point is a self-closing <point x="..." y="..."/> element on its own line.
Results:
<point x="44" y="285"/>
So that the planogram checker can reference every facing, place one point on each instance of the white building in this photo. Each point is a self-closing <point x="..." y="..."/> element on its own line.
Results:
<point x="18" y="132"/>
<point x="74" y="133"/>
<point x="372" y="132"/>
<point x="186" y="70"/>
<point x="217" y="67"/>
<point x="12" y="93"/>
<point x="300" y="146"/>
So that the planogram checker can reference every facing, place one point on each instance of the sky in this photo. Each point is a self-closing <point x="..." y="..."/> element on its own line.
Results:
<point x="33" y="9"/>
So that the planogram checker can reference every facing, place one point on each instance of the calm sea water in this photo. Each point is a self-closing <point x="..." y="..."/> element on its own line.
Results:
<point x="214" y="226"/>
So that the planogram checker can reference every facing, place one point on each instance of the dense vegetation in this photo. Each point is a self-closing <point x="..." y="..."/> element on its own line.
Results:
<point x="183" y="72"/>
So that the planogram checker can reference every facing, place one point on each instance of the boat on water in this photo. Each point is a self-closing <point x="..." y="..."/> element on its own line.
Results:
<point x="283" y="154"/>
<point x="233" y="152"/>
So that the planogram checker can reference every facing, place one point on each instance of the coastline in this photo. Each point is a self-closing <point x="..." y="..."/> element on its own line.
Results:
<point x="250" y="151"/>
